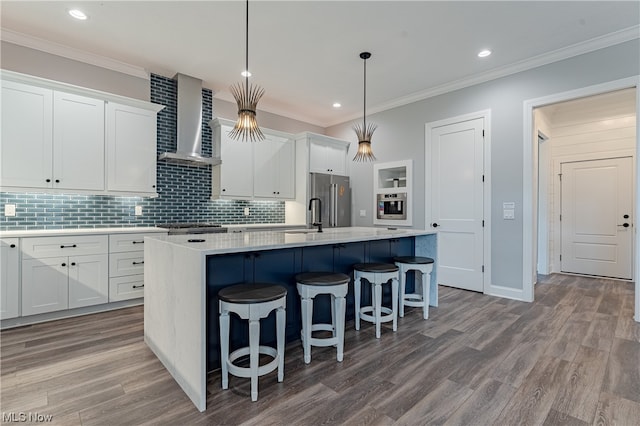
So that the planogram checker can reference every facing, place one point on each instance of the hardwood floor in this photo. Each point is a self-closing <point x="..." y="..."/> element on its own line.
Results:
<point x="570" y="358"/>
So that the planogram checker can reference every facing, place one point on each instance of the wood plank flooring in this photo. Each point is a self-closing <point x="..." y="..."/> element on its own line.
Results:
<point x="570" y="358"/>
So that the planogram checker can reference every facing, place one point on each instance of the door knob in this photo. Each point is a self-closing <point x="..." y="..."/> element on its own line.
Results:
<point x="626" y="225"/>
<point x="435" y="225"/>
<point x="626" y="216"/>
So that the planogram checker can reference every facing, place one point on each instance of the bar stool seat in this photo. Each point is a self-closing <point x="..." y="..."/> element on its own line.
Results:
<point x="377" y="274"/>
<point x="420" y="298"/>
<point x="309" y="285"/>
<point x="252" y="302"/>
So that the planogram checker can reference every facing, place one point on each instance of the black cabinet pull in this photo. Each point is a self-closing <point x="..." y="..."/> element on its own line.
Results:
<point x="64" y="264"/>
<point x="137" y="242"/>
<point x="73" y="263"/>
<point x="48" y="180"/>
<point x="435" y="225"/>
<point x="223" y="189"/>
<point x="57" y="180"/>
<point x="153" y="186"/>
<point x="72" y="246"/>
<point x="626" y="216"/>
<point x="138" y="263"/>
<point x="12" y="246"/>
<point x="625" y="225"/>
<point x="138" y="286"/>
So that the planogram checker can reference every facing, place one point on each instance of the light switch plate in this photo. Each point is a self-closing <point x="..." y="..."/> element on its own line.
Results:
<point x="138" y="211"/>
<point x="9" y="209"/>
<point x="246" y="211"/>
<point x="363" y="213"/>
<point x="508" y="214"/>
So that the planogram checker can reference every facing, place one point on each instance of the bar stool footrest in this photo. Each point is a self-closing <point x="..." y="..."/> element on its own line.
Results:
<point x="413" y="300"/>
<point x="386" y="314"/>
<point x="246" y="371"/>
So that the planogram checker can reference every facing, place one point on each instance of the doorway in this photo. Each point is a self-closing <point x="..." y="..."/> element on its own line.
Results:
<point x="530" y="178"/>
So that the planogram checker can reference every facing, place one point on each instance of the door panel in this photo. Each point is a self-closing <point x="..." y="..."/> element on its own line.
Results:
<point x="457" y="168"/>
<point x="595" y="197"/>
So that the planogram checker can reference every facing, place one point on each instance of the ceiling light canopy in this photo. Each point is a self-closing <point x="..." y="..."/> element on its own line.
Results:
<point x="364" y="132"/>
<point x="247" y="97"/>
<point x="337" y="104"/>
<point x="78" y="14"/>
<point x="484" y="53"/>
<point x="245" y="73"/>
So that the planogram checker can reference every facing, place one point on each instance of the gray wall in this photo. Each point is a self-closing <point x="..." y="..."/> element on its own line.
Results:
<point x="400" y="135"/>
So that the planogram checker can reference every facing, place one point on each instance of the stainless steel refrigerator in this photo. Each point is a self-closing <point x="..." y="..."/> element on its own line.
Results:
<point x="335" y="194"/>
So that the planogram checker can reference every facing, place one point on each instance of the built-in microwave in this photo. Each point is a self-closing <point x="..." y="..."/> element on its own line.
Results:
<point x="392" y="206"/>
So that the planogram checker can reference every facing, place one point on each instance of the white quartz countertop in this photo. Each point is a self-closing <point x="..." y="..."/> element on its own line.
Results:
<point x="81" y="231"/>
<point x="269" y="240"/>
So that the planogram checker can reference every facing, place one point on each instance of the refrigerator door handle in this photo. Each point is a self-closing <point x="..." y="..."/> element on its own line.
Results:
<point x="334" y="204"/>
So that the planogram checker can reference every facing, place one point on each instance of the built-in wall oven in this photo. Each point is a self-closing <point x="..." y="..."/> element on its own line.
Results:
<point x="392" y="206"/>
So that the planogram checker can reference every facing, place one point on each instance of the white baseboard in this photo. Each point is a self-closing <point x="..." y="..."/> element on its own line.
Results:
<point x="507" y="292"/>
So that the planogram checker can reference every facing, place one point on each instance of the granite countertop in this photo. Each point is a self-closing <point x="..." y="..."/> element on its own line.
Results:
<point x="76" y="231"/>
<point x="268" y="240"/>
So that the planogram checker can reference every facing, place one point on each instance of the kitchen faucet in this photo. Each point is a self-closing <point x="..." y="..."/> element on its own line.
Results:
<point x="319" y="222"/>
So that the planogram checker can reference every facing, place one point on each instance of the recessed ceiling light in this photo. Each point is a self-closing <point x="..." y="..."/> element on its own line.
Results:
<point x="245" y="73"/>
<point x="484" y="53"/>
<point x="337" y="104"/>
<point x="78" y="14"/>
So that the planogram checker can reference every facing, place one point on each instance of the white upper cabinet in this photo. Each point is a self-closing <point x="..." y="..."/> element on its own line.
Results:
<point x="78" y="142"/>
<point x="27" y="136"/>
<point x="327" y="155"/>
<point x="262" y="169"/>
<point x="131" y="149"/>
<point x="55" y="136"/>
<point x="235" y="174"/>
<point x="274" y="168"/>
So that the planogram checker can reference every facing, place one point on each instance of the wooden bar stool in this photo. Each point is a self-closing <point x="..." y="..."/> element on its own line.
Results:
<point x="419" y="298"/>
<point x="311" y="284"/>
<point x="377" y="274"/>
<point x="252" y="302"/>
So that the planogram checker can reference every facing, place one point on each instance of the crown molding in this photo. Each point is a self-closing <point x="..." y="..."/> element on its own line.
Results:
<point x="72" y="53"/>
<point x="587" y="46"/>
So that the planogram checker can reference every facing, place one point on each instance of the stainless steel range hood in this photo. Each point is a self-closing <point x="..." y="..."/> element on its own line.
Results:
<point x="189" y="143"/>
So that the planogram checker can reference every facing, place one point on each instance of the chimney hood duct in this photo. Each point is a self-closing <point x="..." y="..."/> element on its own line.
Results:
<point x="189" y="143"/>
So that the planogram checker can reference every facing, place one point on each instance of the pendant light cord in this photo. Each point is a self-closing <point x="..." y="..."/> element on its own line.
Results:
<point x="246" y="50"/>
<point x="364" y="118"/>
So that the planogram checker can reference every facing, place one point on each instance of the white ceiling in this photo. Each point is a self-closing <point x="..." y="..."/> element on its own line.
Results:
<point x="305" y="54"/>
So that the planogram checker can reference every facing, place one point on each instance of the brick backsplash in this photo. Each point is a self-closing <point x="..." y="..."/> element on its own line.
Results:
<point x="184" y="191"/>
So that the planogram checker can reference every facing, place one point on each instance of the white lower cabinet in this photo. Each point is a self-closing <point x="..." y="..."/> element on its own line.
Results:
<point x="126" y="266"/>
<point x="9" y="278"/>
<point x="64" y="273"/>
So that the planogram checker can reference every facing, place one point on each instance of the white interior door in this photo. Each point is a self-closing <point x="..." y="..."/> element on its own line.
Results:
<point x="457" y="196"/>
<point x="596" y="198"/>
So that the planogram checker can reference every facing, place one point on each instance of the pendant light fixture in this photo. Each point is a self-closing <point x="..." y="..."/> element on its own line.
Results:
<point x="247" y="97"/>
<point x="365" y="131"/>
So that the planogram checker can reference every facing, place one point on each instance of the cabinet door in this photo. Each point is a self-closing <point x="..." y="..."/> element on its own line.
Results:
<point x="318" y="158"/>
<point x="337" y="160"/>
<point x="286" y="170"/>
<point x="236" y="176"/>
<point x="78" y="142"/>
<point x="27" y="126"/>
<point x="265" y="169"/>
<point x="9" y="278"/>
<point x="131" y="149"/>
<point x="44" y="285"/>
<point x="88" y="280"/>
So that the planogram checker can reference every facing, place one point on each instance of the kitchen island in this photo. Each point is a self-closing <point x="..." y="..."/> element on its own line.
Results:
<point x="183" y="274"/>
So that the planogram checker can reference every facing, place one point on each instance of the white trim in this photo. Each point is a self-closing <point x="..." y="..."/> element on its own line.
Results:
<point x="57" y="49"/>
<point x="506" y="292"/>
<point x="486" y="116"/>
<point x="528" y="211"/>
<point x="637" y="215"/>
<point x="587" y="46"/>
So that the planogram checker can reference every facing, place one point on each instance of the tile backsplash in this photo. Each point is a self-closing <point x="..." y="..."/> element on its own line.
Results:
<point x="184" y="191"/>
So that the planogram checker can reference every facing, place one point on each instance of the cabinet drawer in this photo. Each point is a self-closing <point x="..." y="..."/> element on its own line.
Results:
<point x="127" y="263"/>
<point x="124" y="288"/>
<point x="42" y="247"/>
<point x="126" y="242"/>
